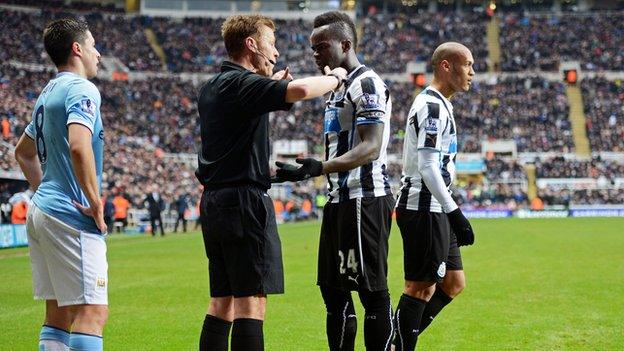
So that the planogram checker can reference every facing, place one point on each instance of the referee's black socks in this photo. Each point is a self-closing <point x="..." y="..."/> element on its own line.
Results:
<point x="247" y="335"/>
<point x="433" y="307"/>
<point x="215" y="334"/>
<point x="408" y="318"/>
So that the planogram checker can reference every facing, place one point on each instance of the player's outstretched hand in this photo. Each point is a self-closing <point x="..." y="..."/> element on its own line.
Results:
<point x="283" y="75"/>
<point x="98" y="215"/>
<point x="309" y="168"/>
<point x="461" y="227"/>
<point x="337" y="72"/>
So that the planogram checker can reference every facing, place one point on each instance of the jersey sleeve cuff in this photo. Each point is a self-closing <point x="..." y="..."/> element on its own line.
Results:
<point x="29" y="134"/>
<point x="81" y="123"/>
<point x="448" y="208"/>
<point x="369" y="121"/>
<point x="429" y="148"/>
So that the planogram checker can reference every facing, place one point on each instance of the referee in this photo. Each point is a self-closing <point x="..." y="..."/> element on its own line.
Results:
<point x="237" y="216"/>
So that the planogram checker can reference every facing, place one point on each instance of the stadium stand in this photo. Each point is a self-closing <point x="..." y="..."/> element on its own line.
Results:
<point x="415" y="38"/>
<point x="117" y="35"/>
<point x="529" y="110"/>
<point x="603" y="102"/>
<point x="559" y="167"/>
<point x="150" y="119"/>
<point x="539" y="41"/>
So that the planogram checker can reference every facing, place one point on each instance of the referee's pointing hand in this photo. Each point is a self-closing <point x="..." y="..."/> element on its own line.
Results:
<point x="283" y="74"/>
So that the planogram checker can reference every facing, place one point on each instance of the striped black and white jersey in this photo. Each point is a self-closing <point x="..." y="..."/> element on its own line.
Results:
<point x="430" y="125"/>
<point x="364" y="99"/>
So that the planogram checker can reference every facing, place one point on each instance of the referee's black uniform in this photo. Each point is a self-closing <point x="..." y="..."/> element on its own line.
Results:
<point x="237" y="216"/>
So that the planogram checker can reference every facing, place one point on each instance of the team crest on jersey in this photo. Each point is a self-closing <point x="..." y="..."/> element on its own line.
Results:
<point x="431" y="125"/>
<point x="442" y="270"/>
<point x="370" y="101"/>
<point x="100" y="283"/>
<point x="87" y="106"/>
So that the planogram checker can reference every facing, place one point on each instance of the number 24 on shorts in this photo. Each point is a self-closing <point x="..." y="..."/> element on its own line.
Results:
<point x="351" y="261"/>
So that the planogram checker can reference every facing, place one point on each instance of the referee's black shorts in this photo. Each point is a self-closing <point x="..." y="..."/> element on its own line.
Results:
<point x="353" y="249"/>
<point x="243" y="248"/>
<point x="429" y="246"/>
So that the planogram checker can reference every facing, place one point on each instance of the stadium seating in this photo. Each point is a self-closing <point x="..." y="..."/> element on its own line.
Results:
<point x="539" y="41"/>
<point x="140" y="115"/>
<point x="414" y="37"/>
<point x="115" y="35"/>
<point x="603" y="101"/>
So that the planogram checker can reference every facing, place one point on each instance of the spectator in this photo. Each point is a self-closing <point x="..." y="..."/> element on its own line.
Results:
<point x="181" y="205"/>
<point x="155" y="205"/>
<point x="121" y="205"/>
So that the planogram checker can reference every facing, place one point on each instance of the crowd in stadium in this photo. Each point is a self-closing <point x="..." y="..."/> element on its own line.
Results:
<point x="532" y="42"/>
<point x="566" y="197"/>
<point x="193" y="45"/>
<point x="604" y="101"/>
<point x="140" y="115"/>
<point x="414" y="38"/>
<point x="558" y="167"/>
<point x="116" y="35"/>
<point x="531" y="111"/>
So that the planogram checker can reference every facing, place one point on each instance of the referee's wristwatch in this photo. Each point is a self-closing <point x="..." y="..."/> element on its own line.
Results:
<point x="340" y="80"/>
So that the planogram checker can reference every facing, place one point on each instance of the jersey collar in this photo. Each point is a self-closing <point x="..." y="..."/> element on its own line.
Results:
<point x="446" y="101"/>
<point x="65" y="73"/>
<point x="231" y="66"/>
<point x="354" y="71"/>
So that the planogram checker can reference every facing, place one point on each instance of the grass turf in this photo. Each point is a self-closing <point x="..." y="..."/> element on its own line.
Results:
<point x="533" y="284"/>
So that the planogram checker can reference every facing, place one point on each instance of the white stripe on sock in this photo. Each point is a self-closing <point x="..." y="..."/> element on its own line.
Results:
<point x="344" y="323"/>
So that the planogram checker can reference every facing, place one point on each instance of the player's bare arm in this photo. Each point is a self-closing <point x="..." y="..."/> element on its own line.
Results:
<point x="365" y="152"/>
<point x="311" y="87"/>
<point x="26" y="156"/>
<point x="83" y="162"/>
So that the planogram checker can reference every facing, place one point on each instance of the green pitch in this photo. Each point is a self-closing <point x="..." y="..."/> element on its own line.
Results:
<point x="552" y="284"/>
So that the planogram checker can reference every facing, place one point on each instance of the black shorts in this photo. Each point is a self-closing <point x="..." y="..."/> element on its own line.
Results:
<point x="243" y="248"/>
<point x="353" y="249"/>
<point x="429" y="246"/>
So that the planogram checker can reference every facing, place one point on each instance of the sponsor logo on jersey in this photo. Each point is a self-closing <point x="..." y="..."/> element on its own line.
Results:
<point x="332" y="123"/>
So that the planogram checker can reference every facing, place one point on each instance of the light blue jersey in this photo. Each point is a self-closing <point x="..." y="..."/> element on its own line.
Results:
<point x="67" y="99"/>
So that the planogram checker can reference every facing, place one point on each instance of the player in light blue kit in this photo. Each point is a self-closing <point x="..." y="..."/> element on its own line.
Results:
<point x="61" y="154"/>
